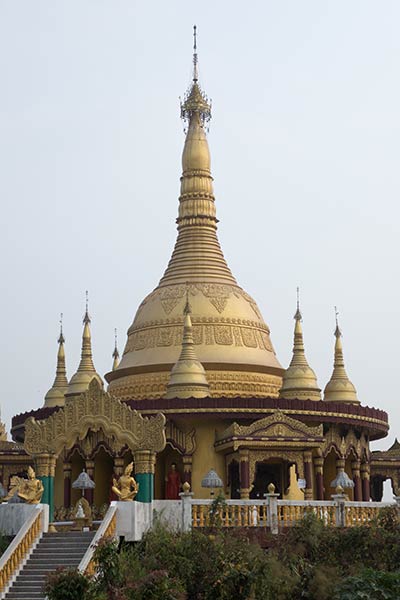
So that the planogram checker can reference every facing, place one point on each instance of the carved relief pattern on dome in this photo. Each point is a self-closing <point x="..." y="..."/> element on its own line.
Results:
<point x="209" y="334"/>
<point x="228" y="332"/>
<point x="249" y="338"/>
<point x="217" y="294"/>
<point x="236" y="336"/>
<point x="229" y="384"/>
<point x="223" y="335"/>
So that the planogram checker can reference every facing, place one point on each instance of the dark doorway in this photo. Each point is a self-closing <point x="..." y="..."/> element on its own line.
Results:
<point x="234" y="480"/>
<point x="267" y="473"/>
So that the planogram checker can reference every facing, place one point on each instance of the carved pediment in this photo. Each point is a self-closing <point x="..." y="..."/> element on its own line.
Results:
<point x="94" y="410"/>
<point x="278" y="425"/>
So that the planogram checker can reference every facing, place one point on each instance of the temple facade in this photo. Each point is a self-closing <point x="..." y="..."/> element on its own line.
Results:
<point x="199" y="386"/>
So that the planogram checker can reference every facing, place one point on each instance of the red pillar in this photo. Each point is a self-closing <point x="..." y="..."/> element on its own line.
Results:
<point x="358" y="493"/>
<point x="244" y="474"/>
<point x="366" y="492"/>
<point x="307" y="457"/>
<point x="67" y="470"/>
<point x="319" y="476"/>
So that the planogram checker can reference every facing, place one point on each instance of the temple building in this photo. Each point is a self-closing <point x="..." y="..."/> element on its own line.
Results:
<point x="199" y="363"/>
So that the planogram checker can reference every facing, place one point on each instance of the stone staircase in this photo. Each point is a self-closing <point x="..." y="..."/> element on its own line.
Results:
<point x="54" y="550"/>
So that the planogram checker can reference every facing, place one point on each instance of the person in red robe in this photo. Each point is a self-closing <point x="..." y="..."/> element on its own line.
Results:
<point x="173" y="483"/>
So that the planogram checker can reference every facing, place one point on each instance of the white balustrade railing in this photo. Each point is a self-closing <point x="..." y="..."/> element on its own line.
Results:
<point x="107" y="529"/>
<point x="23" y="544"/>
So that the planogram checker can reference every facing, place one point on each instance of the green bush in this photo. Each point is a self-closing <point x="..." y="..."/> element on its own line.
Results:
<point x="66" y="584"/>
<point x="370" y="585"/>
<point x="310" y="561"/>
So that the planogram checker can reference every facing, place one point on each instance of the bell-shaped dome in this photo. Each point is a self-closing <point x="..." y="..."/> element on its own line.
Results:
<point x="231" y="339"/>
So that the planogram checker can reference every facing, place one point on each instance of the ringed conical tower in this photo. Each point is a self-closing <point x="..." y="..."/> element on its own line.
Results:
<point x="231" y="339"/>
<point x="56" y="394"/>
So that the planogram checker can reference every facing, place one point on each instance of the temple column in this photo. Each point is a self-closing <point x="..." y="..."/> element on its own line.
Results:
<point x="145" y="461"/>
<point x="319" y="476"/>
<point x="118" y="465"/>
<point x="307" y="458"/>
<point x="355" y="467"/>
<point x="89" y="494"/>
<point x="244" y="470"/>
<point x="45" y="465"/>
<point x="187" y="460"/>
<point x="366" y="492"/>
<point x="67" y="471"/>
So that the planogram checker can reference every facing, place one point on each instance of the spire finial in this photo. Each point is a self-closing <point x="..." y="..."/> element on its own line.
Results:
<point x="86" y="318"/>
<point x="61" y="339"/>
<point x="297" y="315"/>
<point x="115" y="354"/>
<point x="195" y="73"/>
<point x="338" y="333"/>
<point x="195" y="101"/>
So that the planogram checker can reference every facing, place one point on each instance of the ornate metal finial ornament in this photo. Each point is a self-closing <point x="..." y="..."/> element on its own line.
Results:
<point x="338" y="333"/>
<point x="61" y="339"/>
<point x="86" y="318"/>
<point x="195" y="100"/>
<point x="297" y="315"/>
<point x="115" y="354"/>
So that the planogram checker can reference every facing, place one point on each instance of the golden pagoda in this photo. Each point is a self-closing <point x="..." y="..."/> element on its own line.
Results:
<point x="86" y="372"/>
<point x="299" y="380"/>
<point x="339" y="388"/>
<point x="231" y="338"/>
<point x="56" y="394"/>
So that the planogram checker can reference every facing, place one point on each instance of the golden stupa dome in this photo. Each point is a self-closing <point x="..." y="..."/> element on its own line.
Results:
<point x="339" y="388"/>
<point x="56" y="394"/>
<point x="299" y="379"/>
<point x="232" y="341"/>
<point x="86" y="372"/>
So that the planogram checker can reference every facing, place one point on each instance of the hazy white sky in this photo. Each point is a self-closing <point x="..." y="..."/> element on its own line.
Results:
<point x="305" y="149"/>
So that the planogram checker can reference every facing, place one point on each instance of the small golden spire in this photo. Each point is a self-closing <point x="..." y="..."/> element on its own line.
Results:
<point x="299" y="380"/>
<point x="339" y="388"/>
<point x="86" y="371"/>
<point x="115" y="354"/>
<point x="188" y="377"/>
<point x="56" y="394"/>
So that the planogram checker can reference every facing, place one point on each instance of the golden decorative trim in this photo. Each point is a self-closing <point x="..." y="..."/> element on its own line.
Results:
<point x="229" y="384"/>
<point x="145" y="461"/>
<point x="94" y="410"/>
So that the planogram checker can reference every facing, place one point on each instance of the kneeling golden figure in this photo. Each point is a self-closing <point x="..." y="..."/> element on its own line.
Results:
<point x="31" y="489"/>
<point x="126" y="487"/>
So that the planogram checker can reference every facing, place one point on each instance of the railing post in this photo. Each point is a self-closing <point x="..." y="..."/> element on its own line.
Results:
<point x="272" y="504"/>
<point x="186" y="497"/>
<point x="340" y="499"/>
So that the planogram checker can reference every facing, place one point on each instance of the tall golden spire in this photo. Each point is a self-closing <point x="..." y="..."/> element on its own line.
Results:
<point x="115" y="354"/>
<point x="86" y="372"/>
<point x="339" y="388"/>
<point x="56" y="394"/>
<point x="197" y="254"/>
<point x="299" y="380"/>
<point x="188" y="377"/>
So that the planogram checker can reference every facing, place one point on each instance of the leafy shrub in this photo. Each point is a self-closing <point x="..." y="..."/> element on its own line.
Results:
<point x="156" y="585"/>
<point x="66" y="584"/>
<point x="370" y="585"/>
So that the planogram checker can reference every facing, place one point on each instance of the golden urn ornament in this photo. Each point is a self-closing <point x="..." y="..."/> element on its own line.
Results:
<point x="126" y="487"/>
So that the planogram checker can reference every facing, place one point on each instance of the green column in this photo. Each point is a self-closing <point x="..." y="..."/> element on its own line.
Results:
<point x="45" y="481"/>
<point x="45" y="467"/>
<point x="144" y="474"/>
<point x="146" y="487"/>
